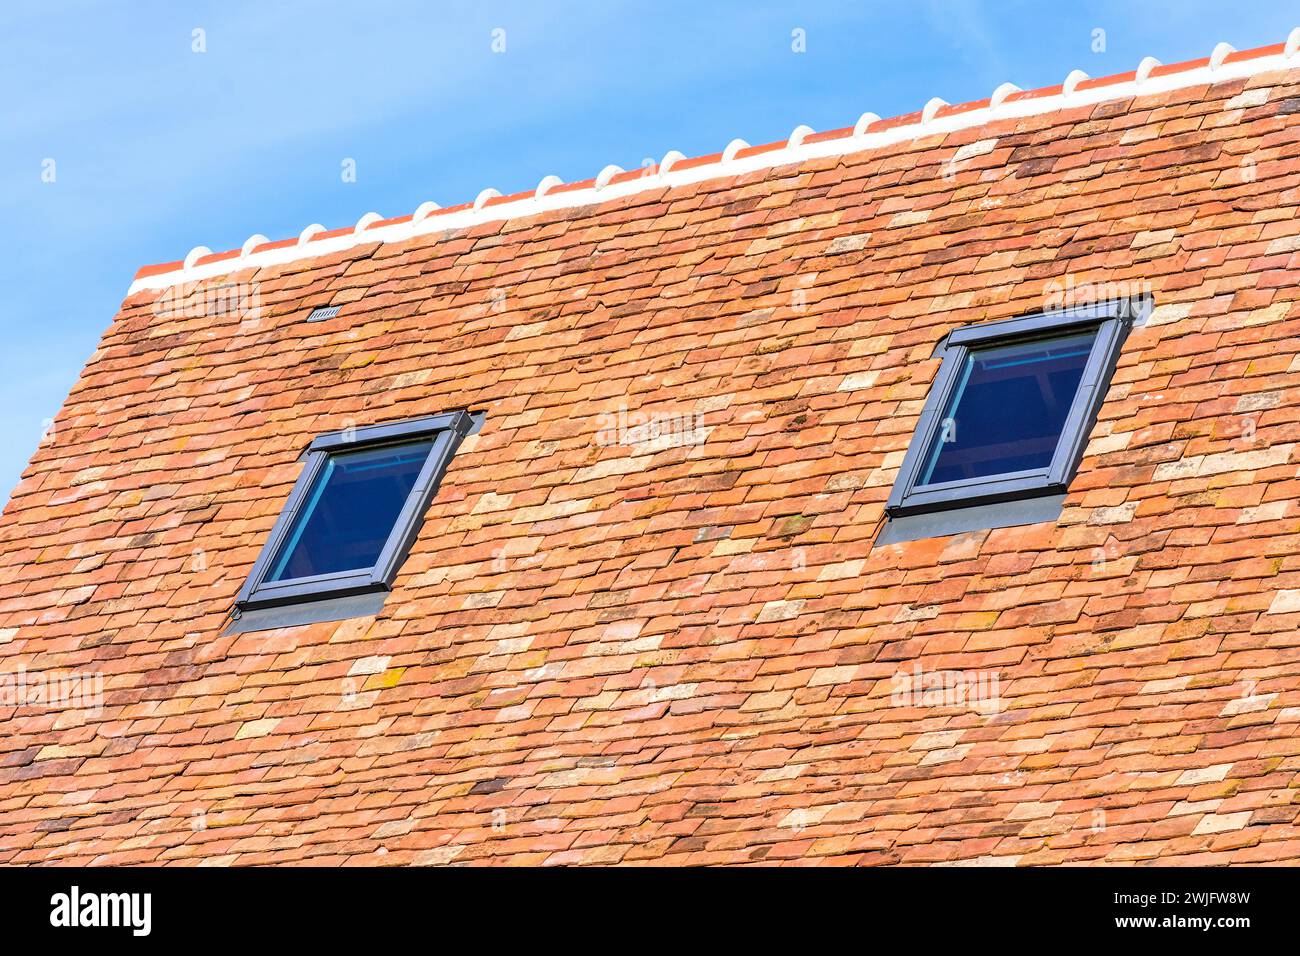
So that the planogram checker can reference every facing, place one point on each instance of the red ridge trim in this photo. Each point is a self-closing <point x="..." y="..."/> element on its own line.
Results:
<point x="1170" y="68"/>
<point x="1037" y="94"/>
<point x="572" y="187"/>
<point x="1273" y="49"/>
<point x="159" y="268"/>
<point x="956" y="109"/>
<point x="760" y="150"/>
<point x="218" y="257"/>
<point x="844" y="132"/>
<point x="694" y="162"/>
<point x="513" y="197"/>
<point x="894" y="122"/>
<point x="332" y="233"/>
<point x="639" y="173"/>
<point x="1096" y="82"/>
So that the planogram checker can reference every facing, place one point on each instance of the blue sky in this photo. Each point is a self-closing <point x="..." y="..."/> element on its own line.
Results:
<point x="158" y="148"/>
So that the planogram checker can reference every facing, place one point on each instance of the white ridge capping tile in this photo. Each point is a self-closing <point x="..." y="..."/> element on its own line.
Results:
<point x="735" y="146"/>
<point x="931" y="109"/>
<point x="606" y="174"/>
<point x="1001" y="93"/>
<point x="798" y="135"/>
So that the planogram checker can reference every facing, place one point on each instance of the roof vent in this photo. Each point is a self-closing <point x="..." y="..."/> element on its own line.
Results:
<point x="323" y="313"/>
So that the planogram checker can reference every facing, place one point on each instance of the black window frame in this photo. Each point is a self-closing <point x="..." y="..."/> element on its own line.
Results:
<point x="446" y="430"/>
<point x="1112" y="321"/>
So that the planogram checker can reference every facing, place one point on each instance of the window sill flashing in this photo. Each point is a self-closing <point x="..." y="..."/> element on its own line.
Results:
<point x="1004" y="514"/>
<point x="319" y="611"/>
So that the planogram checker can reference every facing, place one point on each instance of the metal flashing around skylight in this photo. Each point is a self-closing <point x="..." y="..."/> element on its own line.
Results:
<point x="1038" y="471"/>
<point x="436" y="439"/>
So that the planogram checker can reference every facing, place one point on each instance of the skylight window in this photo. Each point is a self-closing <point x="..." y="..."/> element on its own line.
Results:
<point x="355" y="511"/>
<point x="1007" y="420"/>
<point x="350" y="511"/>
<point x="1007" y="409"/>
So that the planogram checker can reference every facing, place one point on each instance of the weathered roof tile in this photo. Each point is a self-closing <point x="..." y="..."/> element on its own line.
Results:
<point x="644" y="620"/>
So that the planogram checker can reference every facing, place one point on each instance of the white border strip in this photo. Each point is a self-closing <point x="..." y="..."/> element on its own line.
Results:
<point x="795" y="151"/>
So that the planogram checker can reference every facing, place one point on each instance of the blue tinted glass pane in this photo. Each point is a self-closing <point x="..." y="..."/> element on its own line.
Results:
<point x="349" y="512"/>
<point x="1007" y="409"/>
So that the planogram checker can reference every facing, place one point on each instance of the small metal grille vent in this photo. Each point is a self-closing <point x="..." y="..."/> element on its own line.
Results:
<point x="323" y="313"/>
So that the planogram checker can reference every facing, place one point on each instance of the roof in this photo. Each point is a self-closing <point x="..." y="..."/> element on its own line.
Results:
<point x="605" y="651"/>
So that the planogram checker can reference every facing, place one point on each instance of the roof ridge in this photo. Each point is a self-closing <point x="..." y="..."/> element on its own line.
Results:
<point x="870" y="131"/>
